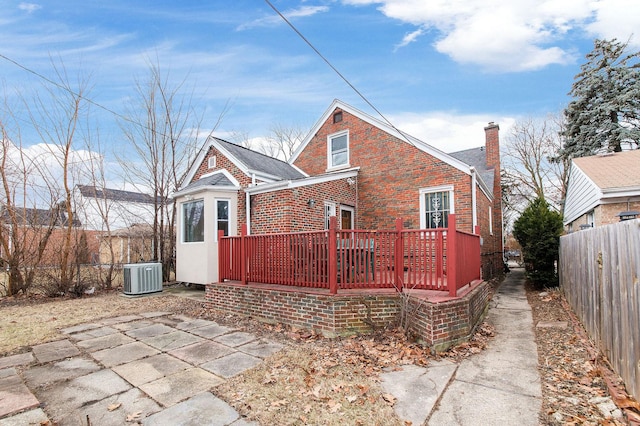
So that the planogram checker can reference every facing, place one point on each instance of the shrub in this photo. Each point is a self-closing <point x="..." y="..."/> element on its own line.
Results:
<point x="538" y="231"/>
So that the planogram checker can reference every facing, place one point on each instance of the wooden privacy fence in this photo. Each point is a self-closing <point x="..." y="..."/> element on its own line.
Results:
<point x="435" y="259"/>
<point x="599" y="271"/>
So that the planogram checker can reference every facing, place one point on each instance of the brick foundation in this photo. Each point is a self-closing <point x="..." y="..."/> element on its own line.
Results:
<point x="437" y="325"/>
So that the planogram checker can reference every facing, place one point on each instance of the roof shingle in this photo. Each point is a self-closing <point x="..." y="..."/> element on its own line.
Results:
<point x="615" y="170"/>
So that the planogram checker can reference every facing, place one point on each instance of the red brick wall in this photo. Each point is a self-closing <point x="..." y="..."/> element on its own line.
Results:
<point x="392" y="171"/>
<point x="437" y="325"/>
<point x="287" y="210"/>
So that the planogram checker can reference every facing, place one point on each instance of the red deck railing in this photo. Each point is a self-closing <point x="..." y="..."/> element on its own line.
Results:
<point x="435" y="259"/>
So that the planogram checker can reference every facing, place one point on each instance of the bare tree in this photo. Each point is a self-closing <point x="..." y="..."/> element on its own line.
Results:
<point x="103" y="207"/>
<point x="164" y="132"/>
<point x="528" y="169"/>
<point x="24" y="229"/>
<point x="282" y="141"/>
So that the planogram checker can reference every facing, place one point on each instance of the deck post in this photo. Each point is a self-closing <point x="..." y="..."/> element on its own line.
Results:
<point x="243" y="254"/>
<point x="398" y="258"/>
<point x="452" y="258"/>
<point x="222" y="271"/>
<point x="333" y="255"/>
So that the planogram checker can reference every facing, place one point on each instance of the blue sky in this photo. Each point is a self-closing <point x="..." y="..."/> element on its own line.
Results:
<point x="438" y="69"/>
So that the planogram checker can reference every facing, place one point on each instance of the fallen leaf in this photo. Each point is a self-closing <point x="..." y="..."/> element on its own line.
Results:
<point x="133" y="417"/>
<point x="334" y="406"/>
<point x="268" y="379"/>
<point x="389" y="398"/>
<point x="316" y="391"/>
<point x="351" y="398"/>
<point x="279" y="403"/>
<point x="114" y="406"/>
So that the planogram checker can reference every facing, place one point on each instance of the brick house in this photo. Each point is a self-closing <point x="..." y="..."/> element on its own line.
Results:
<point x="350" y="165"/>
<point x="602" y="189"/>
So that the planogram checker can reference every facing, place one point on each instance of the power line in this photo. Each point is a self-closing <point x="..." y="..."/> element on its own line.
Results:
<point x="364" y="98"/>
<point x="60" y="86"/>
<point x="92" y="102"/>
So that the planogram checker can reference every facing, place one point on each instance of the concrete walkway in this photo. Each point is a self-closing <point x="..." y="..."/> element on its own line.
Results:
<point x="499" y="386"/>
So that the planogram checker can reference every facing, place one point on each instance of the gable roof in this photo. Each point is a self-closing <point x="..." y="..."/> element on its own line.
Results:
<point x="220" y="180"/>
<point x="601" y="178"/>
<point x="90" y="191"/>
<point x="440" y="155"/>
<point x="610" y="171"/>
<point x="248" y="161"/>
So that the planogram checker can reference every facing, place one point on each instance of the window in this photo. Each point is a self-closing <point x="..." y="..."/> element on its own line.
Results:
<point x="591" y="219"/>
<point x="435" y="206"/>
<point x="329" y="210"/>
<point x="338" y="149"/>
<point x="222" y="217"/>
<point x="193" y="221"/>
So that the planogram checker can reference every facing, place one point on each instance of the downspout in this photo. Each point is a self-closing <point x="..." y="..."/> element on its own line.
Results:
<point x="248" y="204"/>
<point x="474" y="203"/>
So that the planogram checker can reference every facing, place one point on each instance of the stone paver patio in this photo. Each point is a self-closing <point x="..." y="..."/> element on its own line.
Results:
<point x="154" y="368"/>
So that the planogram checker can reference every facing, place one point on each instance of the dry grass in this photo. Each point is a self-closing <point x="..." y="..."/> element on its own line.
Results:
<point x="25" y="322"/>
<point x="301" y="386"/>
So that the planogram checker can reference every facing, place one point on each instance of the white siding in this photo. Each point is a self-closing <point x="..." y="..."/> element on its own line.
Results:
<point x="582" y="195"/>
<point x="197" y="263"/>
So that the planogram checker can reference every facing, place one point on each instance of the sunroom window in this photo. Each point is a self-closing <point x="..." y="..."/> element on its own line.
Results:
<point x="222" y="216"/>
<point x="193" y="221"/>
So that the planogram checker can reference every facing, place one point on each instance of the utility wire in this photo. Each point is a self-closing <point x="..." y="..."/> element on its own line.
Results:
<point x="67" y="89"/>
<point x="364" y="98"/>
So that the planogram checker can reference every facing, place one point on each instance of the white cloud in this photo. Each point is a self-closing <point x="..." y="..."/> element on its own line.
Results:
<point x="615" y="19"/>
<point x="507" y="35"/>
<point x="29" y="7"/>
<point x="410" y="38"/>
<point x="302" y="12"/>
<point x="449" y="131"/>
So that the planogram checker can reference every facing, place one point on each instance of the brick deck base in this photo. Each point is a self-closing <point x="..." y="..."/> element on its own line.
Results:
<point x="436" y="321"/>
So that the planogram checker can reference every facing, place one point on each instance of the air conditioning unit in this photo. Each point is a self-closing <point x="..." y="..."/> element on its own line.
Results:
<point x="142" y="278"/>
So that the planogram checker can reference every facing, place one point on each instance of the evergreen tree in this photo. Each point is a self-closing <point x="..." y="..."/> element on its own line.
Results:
<point x="604" y="115"/>
<point x="538" y="231"/>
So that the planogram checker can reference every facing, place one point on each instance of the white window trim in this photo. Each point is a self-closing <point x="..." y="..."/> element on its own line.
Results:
<point x="215" y="216"/>
<point x="183" y="237"/>
<point x="423" y="207"/>
<point x="490" y="221"/>
<point x="331" y="208"/>
<point x="330" y="165"/>
<point x="353" y="215"/>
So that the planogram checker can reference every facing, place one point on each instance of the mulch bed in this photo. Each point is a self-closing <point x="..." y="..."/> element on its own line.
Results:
<point x="578" y="386"/>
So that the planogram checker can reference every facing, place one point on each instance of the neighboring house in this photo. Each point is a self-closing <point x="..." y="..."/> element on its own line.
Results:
<point x="602" y="189"/>
<point x="122" y="219"/>
<point x="351" y="165"/>
<point x="100" y="209"/>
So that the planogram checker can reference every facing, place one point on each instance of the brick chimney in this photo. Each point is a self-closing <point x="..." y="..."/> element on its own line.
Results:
<point x="492" y="145"/>
<point x="492" y="142"/>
